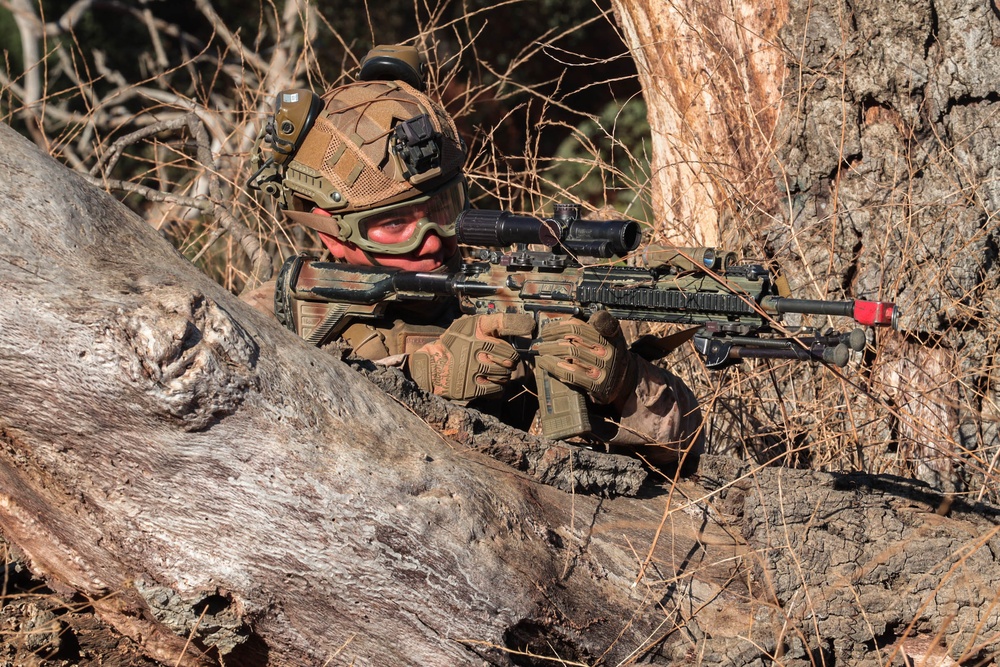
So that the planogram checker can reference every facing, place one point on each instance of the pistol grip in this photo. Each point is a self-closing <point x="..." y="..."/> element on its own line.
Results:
<point x="562" y="409"/>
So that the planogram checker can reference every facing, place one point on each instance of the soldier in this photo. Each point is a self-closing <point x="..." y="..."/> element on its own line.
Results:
<point x="375" y="167"/>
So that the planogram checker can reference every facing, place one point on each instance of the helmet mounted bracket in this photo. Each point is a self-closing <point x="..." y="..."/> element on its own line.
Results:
<point x="295" y="113"/>
<point x="418" y="146"/>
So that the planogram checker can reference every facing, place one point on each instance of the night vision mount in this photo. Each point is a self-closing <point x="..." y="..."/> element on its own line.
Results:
<point x="415" y="141"/>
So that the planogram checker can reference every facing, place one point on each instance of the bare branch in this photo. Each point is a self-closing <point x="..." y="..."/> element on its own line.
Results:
<point x="154" y="36"/>
<point x="29" y="28"/>
<point x="219" y="26"/>
<point x="216" y="205"/>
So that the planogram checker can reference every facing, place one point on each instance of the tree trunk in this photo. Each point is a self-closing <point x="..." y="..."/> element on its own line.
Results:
<point x="197" y="473"/>
<point x="854" y="143"/>
<point x="712" y="75"/>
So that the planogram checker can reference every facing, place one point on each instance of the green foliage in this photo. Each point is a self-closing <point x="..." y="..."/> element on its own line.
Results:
<point x="11" y="40"/>
<point x="605" y="161"/>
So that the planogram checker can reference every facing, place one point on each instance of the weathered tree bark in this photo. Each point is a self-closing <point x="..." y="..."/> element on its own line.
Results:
<point x="712" y="74"/>
<point x="196" y="472"/>
<point x="887" y="138"/>
<point x="855" y="143"/>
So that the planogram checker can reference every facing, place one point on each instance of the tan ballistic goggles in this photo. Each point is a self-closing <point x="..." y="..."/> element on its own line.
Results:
<point x="400" y="228"/>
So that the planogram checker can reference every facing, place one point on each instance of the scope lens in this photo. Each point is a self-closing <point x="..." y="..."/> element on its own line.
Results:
<point x="708" y="258"/>
<point x="631" y="236"/>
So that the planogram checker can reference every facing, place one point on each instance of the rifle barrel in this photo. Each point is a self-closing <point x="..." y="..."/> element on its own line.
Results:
<point x="814" y="307"/>
<point x="869" y="313"/>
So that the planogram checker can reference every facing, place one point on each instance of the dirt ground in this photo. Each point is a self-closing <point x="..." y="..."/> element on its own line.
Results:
<point x="37" y="627"/>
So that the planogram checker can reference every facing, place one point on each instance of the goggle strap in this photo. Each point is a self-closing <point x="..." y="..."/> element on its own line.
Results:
<point x="320" y="223"/>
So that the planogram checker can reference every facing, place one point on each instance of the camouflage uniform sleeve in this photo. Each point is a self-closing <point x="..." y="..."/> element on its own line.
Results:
<point x="261" y="298"/>
<point x="661" y="417"/>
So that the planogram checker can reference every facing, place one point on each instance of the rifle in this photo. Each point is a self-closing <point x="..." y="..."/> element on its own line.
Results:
<point x="736" y="307"/>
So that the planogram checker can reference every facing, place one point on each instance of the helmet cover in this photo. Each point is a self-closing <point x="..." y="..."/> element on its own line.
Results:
<point x="374" y="143"/>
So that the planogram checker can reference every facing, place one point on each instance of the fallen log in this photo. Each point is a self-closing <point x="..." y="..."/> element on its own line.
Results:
<point x="194" y="470"/>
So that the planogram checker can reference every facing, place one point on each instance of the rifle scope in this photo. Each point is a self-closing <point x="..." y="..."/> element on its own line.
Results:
<point x="591" y="238"/>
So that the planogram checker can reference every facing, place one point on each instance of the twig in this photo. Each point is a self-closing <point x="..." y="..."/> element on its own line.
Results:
<point x="259" y="259"/>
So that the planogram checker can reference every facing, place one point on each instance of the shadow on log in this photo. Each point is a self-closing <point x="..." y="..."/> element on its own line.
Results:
<point x="219" y="491"/>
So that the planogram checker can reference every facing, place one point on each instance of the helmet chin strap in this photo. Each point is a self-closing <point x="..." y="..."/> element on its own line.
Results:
<point x="370" y="257"/>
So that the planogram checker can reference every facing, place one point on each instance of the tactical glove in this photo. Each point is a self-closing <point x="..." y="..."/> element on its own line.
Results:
<point x="469" y="360"/>
<point x="592" y="356"/>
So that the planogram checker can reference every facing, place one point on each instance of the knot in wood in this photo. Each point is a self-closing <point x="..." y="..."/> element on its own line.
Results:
<point x="196" y="361"/>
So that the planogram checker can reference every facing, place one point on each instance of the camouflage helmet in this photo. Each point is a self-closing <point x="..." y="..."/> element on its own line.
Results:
<point x="359" y="146"/>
